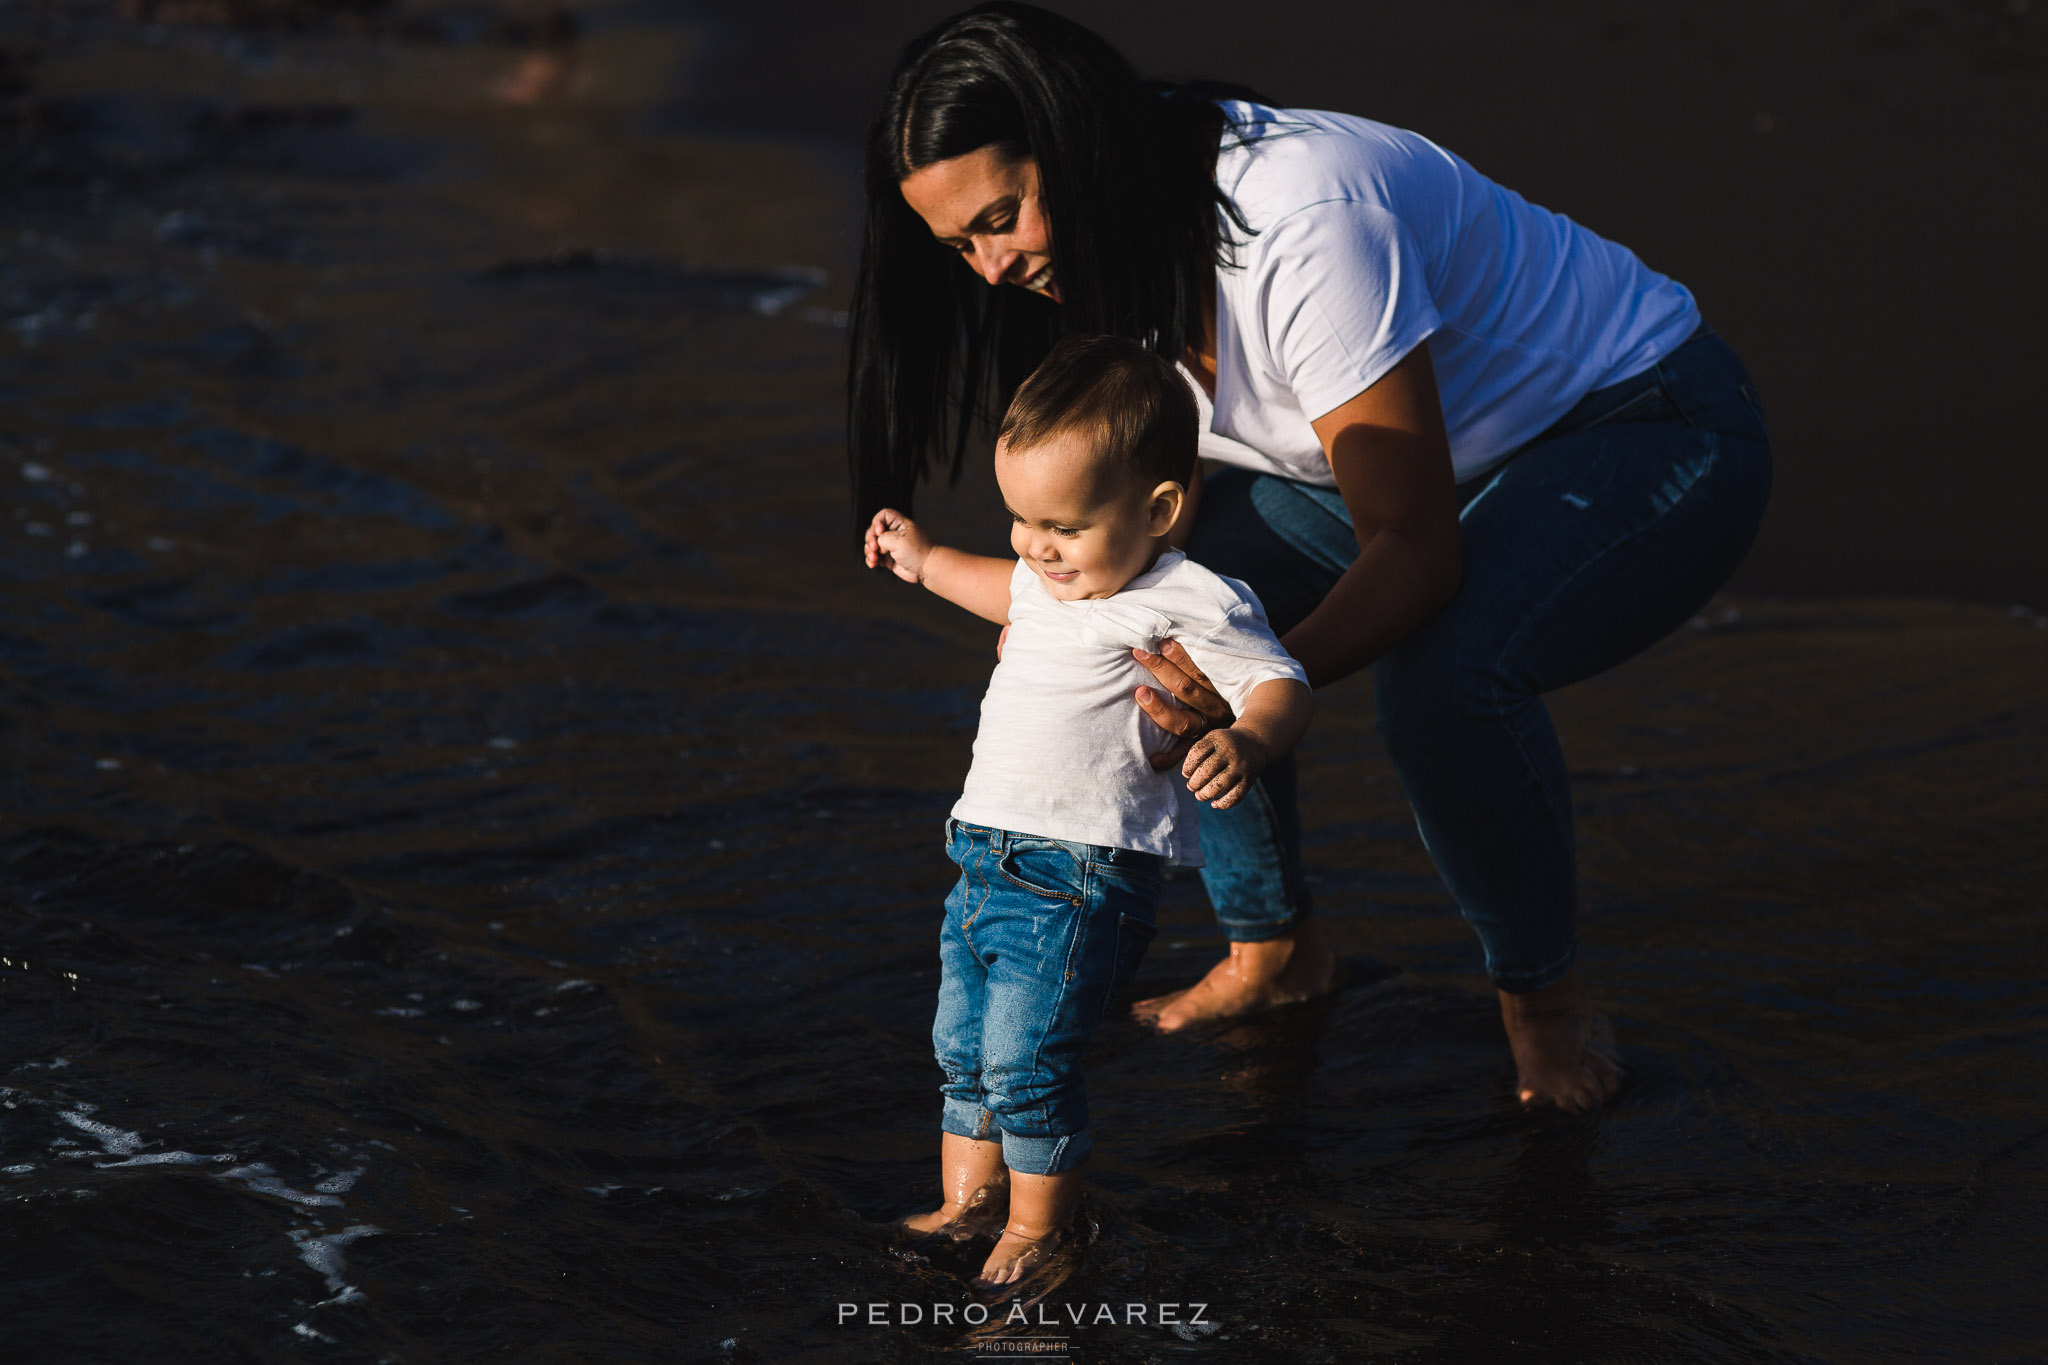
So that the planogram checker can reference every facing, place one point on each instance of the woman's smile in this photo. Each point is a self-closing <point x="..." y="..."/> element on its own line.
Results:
<point x="1042" y="282"/>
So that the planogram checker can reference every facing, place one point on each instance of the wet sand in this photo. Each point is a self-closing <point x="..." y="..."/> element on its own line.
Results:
<point x="470" y="846"/>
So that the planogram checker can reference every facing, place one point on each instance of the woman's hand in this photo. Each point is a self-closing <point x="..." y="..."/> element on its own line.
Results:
<point x="1201" y="708"/>
<point x="894" y="543"/>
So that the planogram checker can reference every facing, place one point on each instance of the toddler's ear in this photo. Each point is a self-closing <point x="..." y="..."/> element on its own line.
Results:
<point x="1165" y="507"/>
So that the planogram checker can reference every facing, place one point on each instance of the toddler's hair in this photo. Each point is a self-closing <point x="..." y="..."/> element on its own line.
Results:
<point x="1135" y="405"/>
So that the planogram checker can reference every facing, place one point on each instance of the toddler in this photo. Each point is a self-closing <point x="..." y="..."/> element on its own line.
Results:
<point x="1064" y="828"/>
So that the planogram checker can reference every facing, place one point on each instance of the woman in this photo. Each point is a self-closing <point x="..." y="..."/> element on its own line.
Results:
<point x="1465" y="442"/>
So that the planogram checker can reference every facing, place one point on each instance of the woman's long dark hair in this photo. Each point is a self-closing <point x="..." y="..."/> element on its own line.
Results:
<point x="1127" y="179"/>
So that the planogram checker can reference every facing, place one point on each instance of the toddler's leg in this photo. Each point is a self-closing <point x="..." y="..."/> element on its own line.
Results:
<point x="1066" y="933"/>
<point x="972" y="1175"/>
<point x="971" y="1171"/>
<point x="1277" y="954"/>
<point x="1291" y="542"/>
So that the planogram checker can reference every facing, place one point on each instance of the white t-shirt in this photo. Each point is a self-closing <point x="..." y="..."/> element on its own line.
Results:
<point x="1062" y="748"/>
<point x="1370" y="239"/>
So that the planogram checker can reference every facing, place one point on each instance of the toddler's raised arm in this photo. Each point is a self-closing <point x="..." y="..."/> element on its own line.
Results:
<point x="977" y="582"/>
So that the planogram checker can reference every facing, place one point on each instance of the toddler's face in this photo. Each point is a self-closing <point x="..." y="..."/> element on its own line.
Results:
<point x="1084" y="528"/>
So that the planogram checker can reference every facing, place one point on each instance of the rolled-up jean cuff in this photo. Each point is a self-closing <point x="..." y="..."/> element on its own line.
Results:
<point x="1521" y="983"/>
<point x="1263" y="930"/>
<point x="1046" y="1155"/>
<point x="963" y="1119"/>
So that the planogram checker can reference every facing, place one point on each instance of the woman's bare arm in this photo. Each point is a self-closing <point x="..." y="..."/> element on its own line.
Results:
<point x="1392" y="459"/>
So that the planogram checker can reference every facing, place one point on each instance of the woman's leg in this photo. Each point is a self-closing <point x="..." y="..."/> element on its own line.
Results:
<point x="1589" y="547"/>
<point x="1289" y="543"/>
<point x="1591" y="591"/>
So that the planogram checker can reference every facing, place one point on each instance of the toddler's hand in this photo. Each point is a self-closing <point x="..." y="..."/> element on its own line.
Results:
<point x="894" y="543"/>
<point x="1222" y="766"/>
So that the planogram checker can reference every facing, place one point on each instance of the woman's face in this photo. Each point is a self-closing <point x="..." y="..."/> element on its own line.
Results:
<point x="986" y="207"/>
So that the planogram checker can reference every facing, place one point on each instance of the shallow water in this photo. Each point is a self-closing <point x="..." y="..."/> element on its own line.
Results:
<point x="471" y="842"/>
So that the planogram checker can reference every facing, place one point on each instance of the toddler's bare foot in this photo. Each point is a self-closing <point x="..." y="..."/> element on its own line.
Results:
<point x="1041" y="1212"/>
<point x="1017" y="1256"/>
<point x="943" y="1218"/>
<point x="1564" y="1049"/>
<point x="976" y="1187"/>
<point x="1256" y="977"/>
<point x="981" y="1214"/>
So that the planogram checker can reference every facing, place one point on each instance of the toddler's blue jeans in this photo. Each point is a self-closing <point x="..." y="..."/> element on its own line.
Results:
<point x="1591" y="543"/>
<point x="1038" y="935"/>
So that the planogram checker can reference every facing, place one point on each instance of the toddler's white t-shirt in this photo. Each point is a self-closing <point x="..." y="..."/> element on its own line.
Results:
<point x="1369" y="240"/>
<point x="1062" y="747"/>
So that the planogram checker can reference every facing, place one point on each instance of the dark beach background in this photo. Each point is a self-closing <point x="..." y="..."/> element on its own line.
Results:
<point x="470" y="849"/>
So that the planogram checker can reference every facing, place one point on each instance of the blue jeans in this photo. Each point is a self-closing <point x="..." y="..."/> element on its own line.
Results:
<point x="1038" y="934"/>
<point x="1590" y="544"/>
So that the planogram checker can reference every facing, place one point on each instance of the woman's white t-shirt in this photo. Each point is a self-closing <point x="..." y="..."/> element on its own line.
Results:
<point x="1367" y="240"/>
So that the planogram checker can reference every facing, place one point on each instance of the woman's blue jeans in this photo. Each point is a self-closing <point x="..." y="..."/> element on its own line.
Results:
<point x="1590" y="544"/>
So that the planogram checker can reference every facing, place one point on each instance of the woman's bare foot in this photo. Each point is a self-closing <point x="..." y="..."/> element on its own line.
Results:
<point x="1041" y="1207"/>
<point x="1256" y="977"/>
<point x="1564" y="1049"/>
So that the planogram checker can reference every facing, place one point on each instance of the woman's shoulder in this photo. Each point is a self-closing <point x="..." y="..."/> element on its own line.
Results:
<point x="1274" y="162"/>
